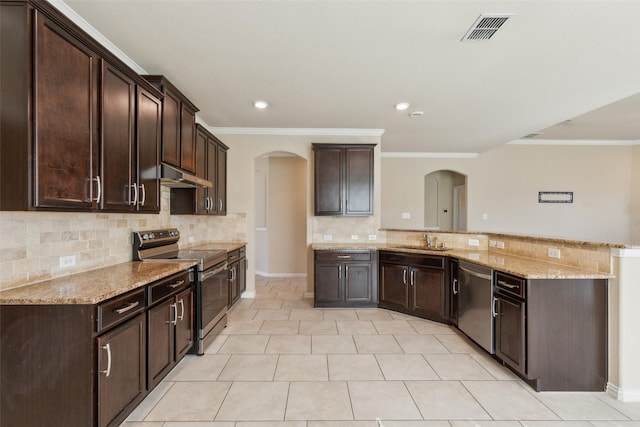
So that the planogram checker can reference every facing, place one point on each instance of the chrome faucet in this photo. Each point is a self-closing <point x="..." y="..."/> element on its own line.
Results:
<point x="427" y="238"/>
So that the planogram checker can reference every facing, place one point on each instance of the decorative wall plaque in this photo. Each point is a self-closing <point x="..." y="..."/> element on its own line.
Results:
<point x="555" y="196"/>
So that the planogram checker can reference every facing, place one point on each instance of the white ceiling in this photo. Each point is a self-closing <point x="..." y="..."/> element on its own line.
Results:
<point x="344" y="64"/>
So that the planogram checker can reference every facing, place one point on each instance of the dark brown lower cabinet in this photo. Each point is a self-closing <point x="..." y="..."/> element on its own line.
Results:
<point x="345" y="279"/>
<point x="237" y="261"/>
<point x="510" y="334"/>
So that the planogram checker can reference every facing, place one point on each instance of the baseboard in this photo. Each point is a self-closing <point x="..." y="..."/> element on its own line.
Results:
<point x="248" y="294"/>
<point x="624" y="395"/>
<point x="286" y="275"/>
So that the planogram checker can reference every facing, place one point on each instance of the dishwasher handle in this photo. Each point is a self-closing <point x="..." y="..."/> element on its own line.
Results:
<point x="476" y="273"/>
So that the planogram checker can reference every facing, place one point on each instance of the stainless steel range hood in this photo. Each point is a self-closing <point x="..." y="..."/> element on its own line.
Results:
<point x="175" y="178"/>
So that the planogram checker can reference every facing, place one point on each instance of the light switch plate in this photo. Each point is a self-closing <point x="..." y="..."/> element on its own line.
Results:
<point x="327" y="237"/>
<point x="474" y="242"/>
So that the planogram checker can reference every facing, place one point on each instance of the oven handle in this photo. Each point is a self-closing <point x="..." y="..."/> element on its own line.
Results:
<point x="215" y="271"/>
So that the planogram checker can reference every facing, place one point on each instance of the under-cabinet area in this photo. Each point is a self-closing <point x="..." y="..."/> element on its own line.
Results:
<point x="550" y="328"/>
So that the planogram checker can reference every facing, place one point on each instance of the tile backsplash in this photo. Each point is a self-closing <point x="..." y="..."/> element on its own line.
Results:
<point x="33" y="242"/>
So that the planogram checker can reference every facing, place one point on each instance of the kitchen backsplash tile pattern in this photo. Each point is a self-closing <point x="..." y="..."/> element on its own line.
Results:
<point x="33" y="242"/>
<point x="341" y="229"/>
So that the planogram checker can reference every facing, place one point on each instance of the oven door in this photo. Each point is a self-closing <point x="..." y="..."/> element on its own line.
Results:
<point x="213" y="295"/>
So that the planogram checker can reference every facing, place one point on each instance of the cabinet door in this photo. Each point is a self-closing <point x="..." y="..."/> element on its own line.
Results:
<point x="171" y="123"/>
<point x="184" y="326"/>
<point x="187" y="139"/>
<point x="427" y="291"/>
<point x="242" y="276"/>
<point x="328" y="283"/>
<point x="220" y="181"/>
<point x="357" y="279"/>
<point x="148" y="144"/>
<point x="121" y="368"/>
<point x="119" y="190"/>
<point x="161" y="320"/>
<point x="359" y="181"/>
<point x="329" y="178"/>
<point x="66" y="113"/>
<point x="510" y="332"/>
<point x="393" y="286"/>
<point x="233" y="286"/>
<point x="202" y="202"/>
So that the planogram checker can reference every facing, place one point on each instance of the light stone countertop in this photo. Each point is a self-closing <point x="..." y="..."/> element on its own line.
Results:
<point x="519" y="266"/>
<point x="93" y="286"/>
<point x="226" y="246"/>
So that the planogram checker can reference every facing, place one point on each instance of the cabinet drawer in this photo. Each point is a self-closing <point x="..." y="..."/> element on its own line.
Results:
<point x="115" y="310"/>
<point x="165" y="287"/>
<point x="233" y="256"/>
<point x="242" y="252"/>
<point x="322" y="256"/>
<point x="510" y="284"/>
<point x="414" y="260"/>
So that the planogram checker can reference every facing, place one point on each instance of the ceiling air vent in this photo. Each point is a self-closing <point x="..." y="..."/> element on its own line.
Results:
<point x="486" y="26"/>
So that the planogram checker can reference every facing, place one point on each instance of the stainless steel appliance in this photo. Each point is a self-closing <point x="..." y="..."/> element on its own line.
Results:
<point x="475" y="304"/>
<point x="210" y="277"/>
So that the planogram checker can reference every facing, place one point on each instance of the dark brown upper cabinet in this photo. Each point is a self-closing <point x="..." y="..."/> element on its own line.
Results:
<point x="211" y="164"/>
<point x="343" y="179"/>
<point x="178" y="125"/>
<point x="68" y="131"/>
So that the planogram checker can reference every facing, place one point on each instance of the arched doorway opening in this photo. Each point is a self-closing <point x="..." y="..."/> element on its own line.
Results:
<point x="445" y="200"/>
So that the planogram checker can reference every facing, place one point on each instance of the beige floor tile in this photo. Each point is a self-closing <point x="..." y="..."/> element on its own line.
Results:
<point x="152" y="399"/>
<point x="243" y="304"/>
<point x="428" y="327"/>
<point x="492" y="366"/>
<point x="190" y="401"/>
<point x="215" y="345"/>
<point x="318" y="327"/>
<point x="235" y="327"/>
<point x="279" y="327"/>
<point x="457" y="367"/>
<point x="481" y="423"/>
<point x="508" y="400"/>
<point x="400" y="327"/>
<point x="556" y="424"/>
<point x="630" y="409"/>
<point x="302" y="368"/>
<point x="254" y="401"/>
<point x="353" y="367"/>
<point x="445" y="400"/>
<point x="245" y="344"/>
<point x="420" y="344"/>
<point x="371" y="423"/>
<point x="616" y="423"/>
<point x="579" y="406"/>
<point x="339" y="314"/>
<point x="289" y="344"/>
<point x="393" y="423"/>
<point x="303" y="303"/>
<point x="318" y="401"/>
<point x="197" y="424"/>
<point x="459" y="344"/>
<point x="333" y="344"/>
<point x="405" y="367"/>
<point x="401" y="316"/>
<point x="305" y="314"/>
<point x="373" y="314"/>
<point x="386" y="400"/>
<point x="249" y="367"/>
<point x="290" y="296"/>
<point x="199" y="368"/>
<point x="242" y="314"/>
<point x="351" y="327"/>
<point x="376" y="344"/>
<point x="271" y="424"/>
<point x="143" y="424"/>
<point x="272" y="314"/>
<point x="266" y="303"/>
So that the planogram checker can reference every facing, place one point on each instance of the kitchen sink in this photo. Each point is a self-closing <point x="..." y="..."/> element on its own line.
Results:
<point x="423" y="248"/>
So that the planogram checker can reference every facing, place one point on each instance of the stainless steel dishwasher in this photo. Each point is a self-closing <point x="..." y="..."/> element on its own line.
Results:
<point x="475" y="303"/>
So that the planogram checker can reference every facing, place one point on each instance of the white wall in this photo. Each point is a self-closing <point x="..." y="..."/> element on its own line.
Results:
<point x="261" y="232"/>
<point x="635" y="194"/>
<point x="504" y="184"/>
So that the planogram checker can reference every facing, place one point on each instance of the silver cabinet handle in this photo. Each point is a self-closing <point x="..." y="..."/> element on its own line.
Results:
<point x="346" y="272"/>
<point x="344" y="256"/>
<point x="107" y="371"/>
<point x="127" y="307"/>
<point x="455" y="286"/>
<point x="413" y="277"/>
<point x="144" y="194"/>
<point x="220" y="204"/>
<point x="175" y="285"/>
<point x="507" y="285"/>
<point x="494" y="311"/>
<point x="174" y="321"/>
<point x="339" y="271"/>
<point x="206" y="204"/>
<point x="135" y="194"/>
<point x="181" y="317"/>
<point x="99" y="195"/>
<point x="404" y="276"/>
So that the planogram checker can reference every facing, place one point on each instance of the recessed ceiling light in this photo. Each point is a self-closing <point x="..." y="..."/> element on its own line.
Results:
<point x="261" y="104"/>
<point x="402" y="106"/>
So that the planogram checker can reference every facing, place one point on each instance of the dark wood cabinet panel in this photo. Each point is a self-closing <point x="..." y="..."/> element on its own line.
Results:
<point x="161" y="340"/>
<point x="202" y="201"/>
<point x="119" y="186"/>
<point x="237" y="261"/>
<point x="428" y="290"/>
<point x="66" y="105"/>
<point x="184" y="335"/>
<point x="188" y="139"/>
<point x="343" y="176"/>
<point x="121" y="369"/>
<point x="171" y="126"/>
<point x="394" y="291"/>
<point x="148" y="110"/>
<point x="510" y="338"/>
<point x="345" y="279"/>
<point x="220" y="181"/>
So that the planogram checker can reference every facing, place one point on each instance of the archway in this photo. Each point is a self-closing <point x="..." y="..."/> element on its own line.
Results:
<point x="445" y="200"/>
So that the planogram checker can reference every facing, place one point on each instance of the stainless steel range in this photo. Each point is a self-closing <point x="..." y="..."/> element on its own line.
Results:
<point x="211" y="279"/>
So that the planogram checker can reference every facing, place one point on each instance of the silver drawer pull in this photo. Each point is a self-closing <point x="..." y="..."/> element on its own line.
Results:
<point x="344" y="256"/>
<point x="127" y="307"/>
<point x="501" y="283"/>
<point x="175" y="285"/>
<point x="107" y="371"/>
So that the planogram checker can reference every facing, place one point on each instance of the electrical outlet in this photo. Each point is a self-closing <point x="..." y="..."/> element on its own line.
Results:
<point x="485" y="216"/>
<point x="354" y="237"/>
<point x="500" y="244"/>
<point x="553" y="253"/>
<point x="67" y="261"/>
<point x="492" y="243"/>
<point x="191" y="239"/>
<point x="372" y="237"/>
<point x="474" y="242"/>
<point x="327" y="237"/>
<point x="406" y="215"/>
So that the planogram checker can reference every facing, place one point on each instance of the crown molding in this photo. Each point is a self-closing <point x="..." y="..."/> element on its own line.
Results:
<point x="403" y="155"/>
<point x="295" y="131"/>
<point x="610" y="142"/>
